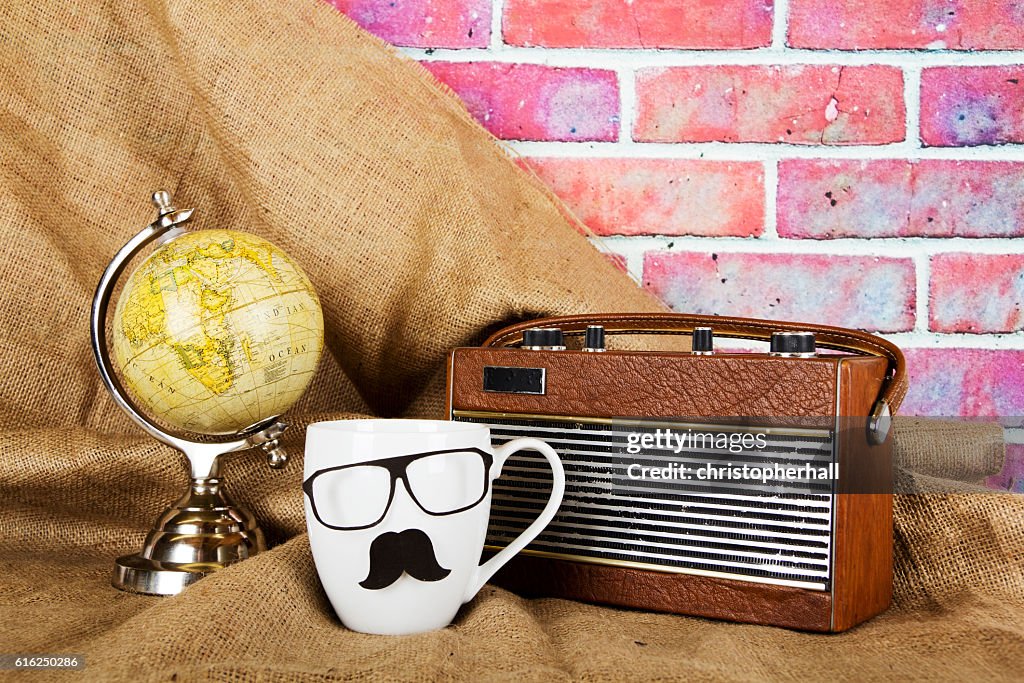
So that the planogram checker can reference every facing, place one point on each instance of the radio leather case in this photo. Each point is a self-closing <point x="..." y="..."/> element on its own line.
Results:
<point x="806" y="554"/>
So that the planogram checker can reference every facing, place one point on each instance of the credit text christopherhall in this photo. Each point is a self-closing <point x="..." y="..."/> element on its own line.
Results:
<point x="689" y="441"/>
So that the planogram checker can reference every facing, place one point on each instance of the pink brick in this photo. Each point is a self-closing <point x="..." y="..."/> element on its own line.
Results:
<point x="639" y="23"/>
<point x="801" y="104"/>
<point x="843" y="198"/>
<point x="964" y="106"/>
<point x="967" y="382"/>
<point x="900" y="198"/>
<point x="534" y="102"/>
<point x="884" y="24"/>
<point x="976" y="293"/>
<point x="659" y="196"/>
<point x="854" y="291"/>
<point x="423" y="23"/>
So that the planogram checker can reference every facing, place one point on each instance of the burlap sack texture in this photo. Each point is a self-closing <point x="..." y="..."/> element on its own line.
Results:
<point x="286" y="120"/>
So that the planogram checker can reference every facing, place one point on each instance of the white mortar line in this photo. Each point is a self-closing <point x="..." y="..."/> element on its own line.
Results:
<point x="780" y="26"/>
<point x="922" y="276"/>
<point x="882" y="247"/>
<point x="753" y="151"/>
<point x="497" y="38"/>
<point x="604" y="58"/>
<point x="912" y="102"/>
<point x="771" y="199"/>
<point x="939" y="340"/>
<point x="627" y="104"/>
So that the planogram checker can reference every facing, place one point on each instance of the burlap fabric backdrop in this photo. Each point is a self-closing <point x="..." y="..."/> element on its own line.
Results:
<point x="286" y="120"/>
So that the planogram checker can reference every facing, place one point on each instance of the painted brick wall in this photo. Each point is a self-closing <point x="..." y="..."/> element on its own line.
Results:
<point x="853" y="163"/>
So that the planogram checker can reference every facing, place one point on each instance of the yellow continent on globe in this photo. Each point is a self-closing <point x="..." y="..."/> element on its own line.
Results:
<point x="216" y="331"/>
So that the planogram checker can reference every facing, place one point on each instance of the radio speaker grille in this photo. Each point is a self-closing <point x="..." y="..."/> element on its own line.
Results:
<point x="780" y="535"/>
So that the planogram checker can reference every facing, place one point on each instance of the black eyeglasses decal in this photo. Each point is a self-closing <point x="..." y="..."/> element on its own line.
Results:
<point x="359" y="495"/>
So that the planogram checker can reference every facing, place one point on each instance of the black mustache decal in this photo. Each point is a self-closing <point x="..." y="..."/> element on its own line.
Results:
<point x="409" y="552"/>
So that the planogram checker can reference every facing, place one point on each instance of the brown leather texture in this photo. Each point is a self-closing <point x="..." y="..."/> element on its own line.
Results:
<point x="827" y="336"/>
<point x="634" y="384"/>
<point x="702" y="596"/>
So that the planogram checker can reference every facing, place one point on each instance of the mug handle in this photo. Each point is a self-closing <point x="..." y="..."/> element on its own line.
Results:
<point x="485" y="571"/>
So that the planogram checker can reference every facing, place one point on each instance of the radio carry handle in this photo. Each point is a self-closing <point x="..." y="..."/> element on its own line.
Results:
<point x="837" y="338"/>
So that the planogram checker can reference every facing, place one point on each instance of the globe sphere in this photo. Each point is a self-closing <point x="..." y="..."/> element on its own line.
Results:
<point x="216" y="331"/>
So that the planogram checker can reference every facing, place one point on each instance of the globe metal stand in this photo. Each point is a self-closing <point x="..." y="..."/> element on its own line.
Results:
<point x="203" y="531"/>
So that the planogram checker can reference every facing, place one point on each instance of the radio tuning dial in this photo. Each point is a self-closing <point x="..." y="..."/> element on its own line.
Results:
<point x="543" y="339"/>
<point x="793" y="344"/>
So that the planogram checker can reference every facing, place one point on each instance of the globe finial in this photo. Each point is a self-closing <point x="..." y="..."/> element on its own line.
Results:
<point x="162" y="202"/>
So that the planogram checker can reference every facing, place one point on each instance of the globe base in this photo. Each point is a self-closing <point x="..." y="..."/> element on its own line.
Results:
<point x="200" y="534"/>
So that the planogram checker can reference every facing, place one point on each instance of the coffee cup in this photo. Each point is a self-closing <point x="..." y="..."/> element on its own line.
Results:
<point x="397" y="513"/>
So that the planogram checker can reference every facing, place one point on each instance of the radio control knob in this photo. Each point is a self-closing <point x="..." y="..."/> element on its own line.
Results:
<point x="799" y="344"/>
<point x="543" y="339"/>
<point x="594" y="338"/>
<point x="703" y="342"/>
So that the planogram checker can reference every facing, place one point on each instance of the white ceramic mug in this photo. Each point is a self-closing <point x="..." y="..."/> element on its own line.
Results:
<point x="397" y="512"/>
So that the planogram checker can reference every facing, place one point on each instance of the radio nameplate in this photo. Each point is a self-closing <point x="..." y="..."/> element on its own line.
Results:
<point x="514" y="380"/>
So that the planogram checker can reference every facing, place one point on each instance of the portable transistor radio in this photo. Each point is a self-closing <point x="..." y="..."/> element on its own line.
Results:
<point x="662" y="509"/>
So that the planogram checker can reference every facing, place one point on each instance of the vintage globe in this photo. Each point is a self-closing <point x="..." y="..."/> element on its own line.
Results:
<point x="216" y="331"/>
